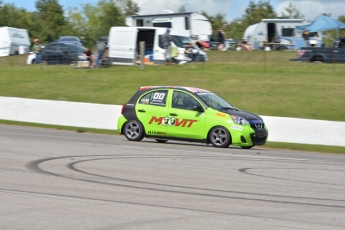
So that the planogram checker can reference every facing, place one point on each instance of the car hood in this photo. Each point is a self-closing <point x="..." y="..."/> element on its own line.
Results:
<point x="244" y="114"/>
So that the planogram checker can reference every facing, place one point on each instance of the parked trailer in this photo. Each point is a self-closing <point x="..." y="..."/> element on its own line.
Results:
<point x="277" y="30"/>
<point x="197" y="25"/>
<point x="13" y="41"/>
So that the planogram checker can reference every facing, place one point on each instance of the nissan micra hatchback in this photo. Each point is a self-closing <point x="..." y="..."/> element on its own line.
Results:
<point x="189" y="114"/>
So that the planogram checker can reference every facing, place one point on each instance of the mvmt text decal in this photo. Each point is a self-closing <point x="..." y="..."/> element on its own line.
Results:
<point x="172" y="121"/>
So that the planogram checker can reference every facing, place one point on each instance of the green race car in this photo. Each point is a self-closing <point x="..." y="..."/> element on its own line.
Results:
<point x="189" y="114"/>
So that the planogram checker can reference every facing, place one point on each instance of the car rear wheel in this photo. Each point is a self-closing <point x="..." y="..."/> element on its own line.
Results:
<point x="134" y="131"/>
<point x="219" y="137"/>
<point x="247" y="147"/>
<point x="161" y="140"/>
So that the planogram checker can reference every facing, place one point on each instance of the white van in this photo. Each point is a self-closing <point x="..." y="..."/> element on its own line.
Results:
<point x="13" y="41"/>
<point x="124" y="43"/>
<point x="197" y="25"/>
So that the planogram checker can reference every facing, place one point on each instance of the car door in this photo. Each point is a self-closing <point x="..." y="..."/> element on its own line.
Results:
<point x="122" y="45"/>
<point x="151" y="110"/>
<point x="184" y="122"/>
<point x="49" y="53"/>
<point x="341" y="51"/>
<point x="62" y="55"/>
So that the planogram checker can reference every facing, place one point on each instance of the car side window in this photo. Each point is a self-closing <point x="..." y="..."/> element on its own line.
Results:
<point x="157" y="98"/>
<point x="182" y="100"/>
<point x="63" y="48"/>
<point x="52" y="47"/>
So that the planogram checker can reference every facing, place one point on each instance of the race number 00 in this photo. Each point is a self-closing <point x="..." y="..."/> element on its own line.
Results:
<point x="159" y="96"/>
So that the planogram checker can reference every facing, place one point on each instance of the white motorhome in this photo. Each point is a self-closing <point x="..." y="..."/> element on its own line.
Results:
<point x="124" y="43"/>
<point x="196" y="24"/>
<point x="13" y="41"/>
<point x="276" y="30"/>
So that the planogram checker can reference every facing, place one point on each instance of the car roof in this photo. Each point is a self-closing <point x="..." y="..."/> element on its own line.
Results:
<point x="69" y="37"/>
<point x="67" y="44"/>
<point x="189" y="89"/>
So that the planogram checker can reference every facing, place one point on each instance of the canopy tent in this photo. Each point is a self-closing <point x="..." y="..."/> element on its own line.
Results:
<point x="323" y="23"/>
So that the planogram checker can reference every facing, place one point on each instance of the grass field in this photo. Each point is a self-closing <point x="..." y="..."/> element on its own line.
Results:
<point x="265" y="83"/>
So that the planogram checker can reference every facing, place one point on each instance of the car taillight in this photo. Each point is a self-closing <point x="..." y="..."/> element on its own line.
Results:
<point x="122" y="109"/>
<point x="301" y="52"/>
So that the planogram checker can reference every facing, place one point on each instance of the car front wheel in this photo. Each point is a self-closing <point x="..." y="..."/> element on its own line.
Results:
<point x="134" y="131"/>
<point x="220" y="137"/>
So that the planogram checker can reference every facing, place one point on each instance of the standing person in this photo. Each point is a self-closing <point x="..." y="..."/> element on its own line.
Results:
<point x="36" y="48"/>
<point x="306" y="37"/>
<point x="220" y="39"/>
<point x="167" y="46"/>
<point x="89" y="57"/>
<point x="100" y="48"/>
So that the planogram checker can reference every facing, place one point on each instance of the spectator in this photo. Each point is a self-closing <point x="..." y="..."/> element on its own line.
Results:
<point x="306" y="37"/>
<point x="88" y="55"/>
<point x="100" y="48"/>
<point x="245" y="46"/>
<point x="167" y="46"/>
<point x="192" y="52"/>
<point x="220" y="37"/>
<point x="36" y="48"/>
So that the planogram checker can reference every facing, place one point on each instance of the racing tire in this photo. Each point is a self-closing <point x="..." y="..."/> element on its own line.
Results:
<point x="247" y="147"/>
<point x="133" y="131"/>
<point x="219" y="137"/>
<point x="161" y="140"/>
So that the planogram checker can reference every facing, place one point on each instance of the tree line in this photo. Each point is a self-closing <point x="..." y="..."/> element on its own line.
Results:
<point x="50" y="20"/>
<point x="89" y="21"/>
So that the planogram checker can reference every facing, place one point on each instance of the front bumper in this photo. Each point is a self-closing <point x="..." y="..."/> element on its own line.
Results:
<point x="249" y="136"/>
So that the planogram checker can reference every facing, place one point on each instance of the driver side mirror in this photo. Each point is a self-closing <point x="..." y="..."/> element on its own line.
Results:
<point x="198" y="108"/>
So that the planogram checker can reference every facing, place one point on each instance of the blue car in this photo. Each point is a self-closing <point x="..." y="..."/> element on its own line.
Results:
<point x="61" y="53"/>
<point x="70" y="40"/>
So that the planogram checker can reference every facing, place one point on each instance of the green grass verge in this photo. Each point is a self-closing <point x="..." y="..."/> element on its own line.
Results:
<point x="273" y="145"/>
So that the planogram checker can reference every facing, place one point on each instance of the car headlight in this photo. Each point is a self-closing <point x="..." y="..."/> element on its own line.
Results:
<point x="239" y="120"/>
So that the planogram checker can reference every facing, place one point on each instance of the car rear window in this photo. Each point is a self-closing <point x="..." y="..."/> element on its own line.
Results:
<point x="158" y="98"/>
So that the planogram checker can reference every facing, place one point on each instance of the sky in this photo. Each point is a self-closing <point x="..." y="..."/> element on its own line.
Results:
<point x="230" y="8"/>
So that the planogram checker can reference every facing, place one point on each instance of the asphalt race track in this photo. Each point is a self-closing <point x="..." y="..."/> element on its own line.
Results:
<point x="52" y="179"/>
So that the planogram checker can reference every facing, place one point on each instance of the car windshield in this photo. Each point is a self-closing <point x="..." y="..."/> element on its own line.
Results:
<point x="180" y="41"/>
<point x="79" y="49"/>
<point x="214" y="101"/>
